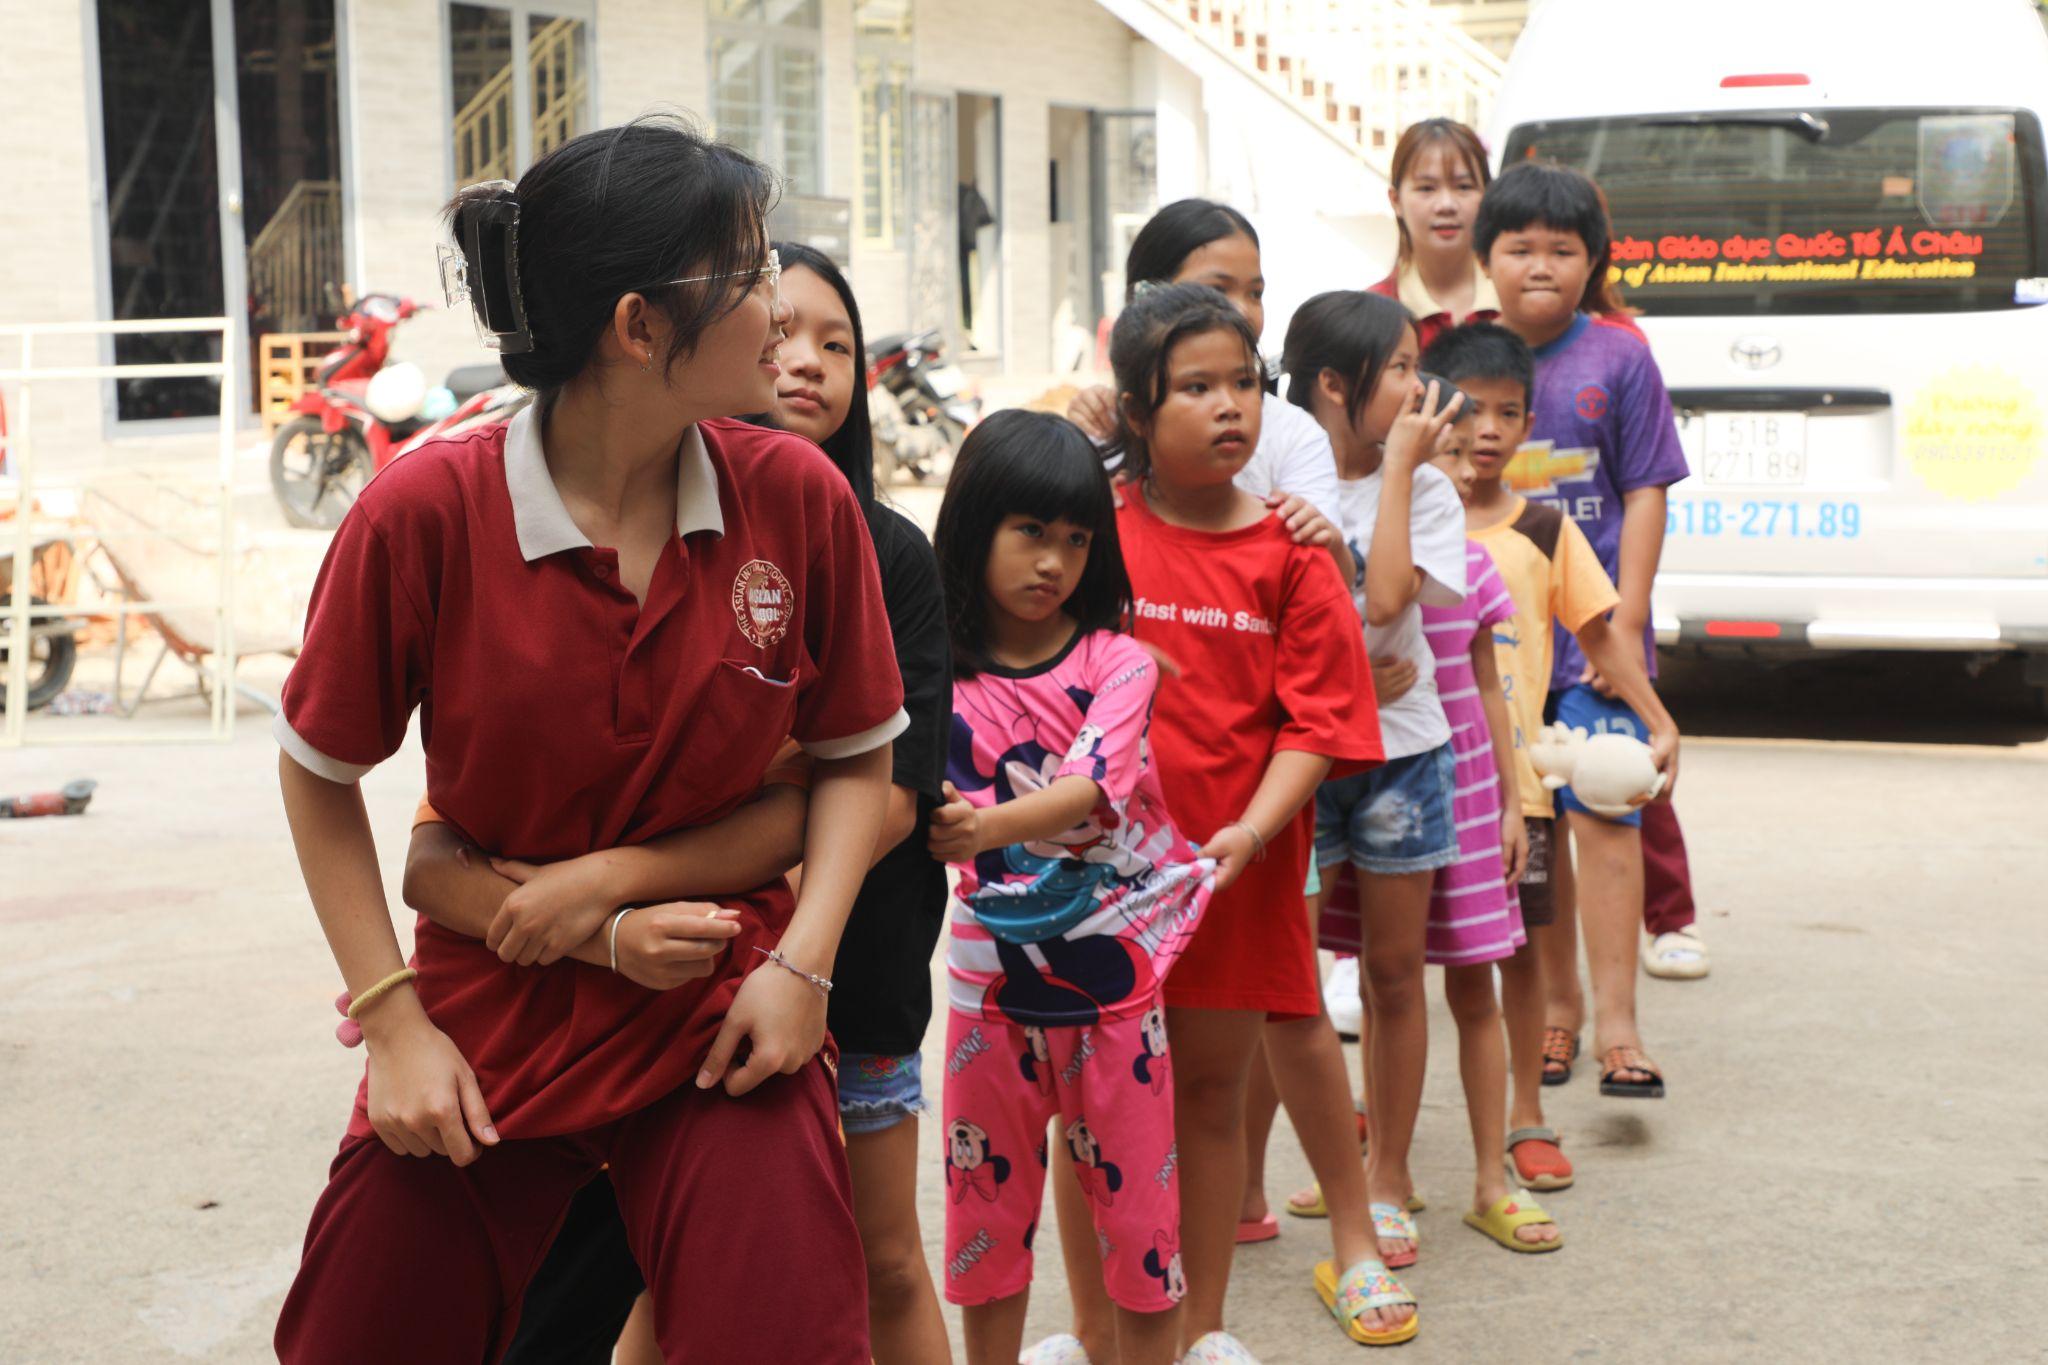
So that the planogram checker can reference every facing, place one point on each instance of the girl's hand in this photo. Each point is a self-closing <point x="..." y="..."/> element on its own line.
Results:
<point x="1233" y="849"/>
<point x="556" y="907"/>
<point x="1392" y="679"/>
<point x="1514" y="846"/>
<point x="1303" y="521"/>
<point x="424" y="1099"/>
<point x="1413" y="438"/>
<point x="1094" y="411"/>
<point x="780" y="1017"/>
<point x="956" y="829"/>
<point x="665" y="946"/>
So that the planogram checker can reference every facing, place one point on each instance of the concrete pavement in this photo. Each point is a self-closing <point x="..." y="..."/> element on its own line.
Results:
<point x="1849" y="1164"/>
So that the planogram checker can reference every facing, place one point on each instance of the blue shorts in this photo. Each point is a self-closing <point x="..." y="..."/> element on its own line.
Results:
<point x="1393" y="819"/>
<point x="877" y="1092"/>
<point x="1579" y="707"/>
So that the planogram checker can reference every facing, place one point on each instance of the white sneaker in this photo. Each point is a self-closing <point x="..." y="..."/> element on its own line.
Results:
<point x="1219" y="1348"/>
<point x="1341" y="998"/>
<point x="1064" y="1349"/>
<point x="1677" y="956"/>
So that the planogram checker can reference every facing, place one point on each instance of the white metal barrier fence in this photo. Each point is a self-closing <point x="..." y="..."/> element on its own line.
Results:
<point x="21" y="614"/>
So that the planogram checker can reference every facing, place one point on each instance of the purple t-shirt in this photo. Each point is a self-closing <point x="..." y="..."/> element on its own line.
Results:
<point x="1603" y="428"/>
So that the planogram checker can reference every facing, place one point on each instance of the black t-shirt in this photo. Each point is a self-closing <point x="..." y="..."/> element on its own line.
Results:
<point x="882" y="993"/>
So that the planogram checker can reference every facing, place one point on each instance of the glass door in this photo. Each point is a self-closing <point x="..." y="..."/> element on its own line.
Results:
<point x="934" y="239"/>
<point x="1126" y="195"/>
<point x="199" y="214"/>
<point x="163" y="195"/>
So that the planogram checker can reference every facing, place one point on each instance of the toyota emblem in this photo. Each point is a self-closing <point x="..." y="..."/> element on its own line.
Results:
<point x="1755" y="353"/>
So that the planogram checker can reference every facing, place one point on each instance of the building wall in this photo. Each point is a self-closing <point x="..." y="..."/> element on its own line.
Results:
<point x="48" y="200"/>
<point x="1071" y="52"/>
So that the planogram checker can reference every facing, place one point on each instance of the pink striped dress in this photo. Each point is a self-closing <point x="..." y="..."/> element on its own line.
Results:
<point x="1474" y="915"/>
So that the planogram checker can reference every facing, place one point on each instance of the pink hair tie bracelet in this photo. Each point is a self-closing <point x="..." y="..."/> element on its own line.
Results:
<point x="348" y="1030"/>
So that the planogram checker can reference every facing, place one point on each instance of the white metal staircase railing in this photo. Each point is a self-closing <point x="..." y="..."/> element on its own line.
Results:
<point x="296" y="255"/>
<point x="1364" y="69"/>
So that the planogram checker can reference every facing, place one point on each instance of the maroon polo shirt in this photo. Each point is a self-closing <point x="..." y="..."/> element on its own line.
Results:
<point x="560" y="716"/>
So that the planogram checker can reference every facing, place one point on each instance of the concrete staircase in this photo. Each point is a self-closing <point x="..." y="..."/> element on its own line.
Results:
<point x="1358" y="71"/>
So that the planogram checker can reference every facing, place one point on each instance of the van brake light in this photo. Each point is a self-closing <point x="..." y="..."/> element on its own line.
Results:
<point x="1743" y="630"/>
<point x="1763" y="79"/>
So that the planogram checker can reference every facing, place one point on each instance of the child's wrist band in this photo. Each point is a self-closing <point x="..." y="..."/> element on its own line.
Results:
<point x="824" y="984"/>
<point x="1258" y="839"/>
<point x="380" y="990"/>
<point x="351" y="1008"/>
<point x="615" y="933"/>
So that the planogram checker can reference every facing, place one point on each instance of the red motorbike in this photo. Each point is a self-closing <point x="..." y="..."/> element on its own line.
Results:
<point x="362" y="414"/>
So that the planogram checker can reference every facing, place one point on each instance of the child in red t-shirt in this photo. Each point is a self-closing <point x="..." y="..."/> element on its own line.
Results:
<point x="1274" y="690"/>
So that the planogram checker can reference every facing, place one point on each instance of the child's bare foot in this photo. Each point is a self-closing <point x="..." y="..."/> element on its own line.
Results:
<point x="1255" y="1208"/>
<point x="1308" y="1203"/>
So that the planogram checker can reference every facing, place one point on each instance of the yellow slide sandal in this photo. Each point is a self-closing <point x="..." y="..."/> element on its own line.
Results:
<point x="1363" y="1288"/>
<point x="1518" y="1209"/>
<point x="1309" y="1203"/>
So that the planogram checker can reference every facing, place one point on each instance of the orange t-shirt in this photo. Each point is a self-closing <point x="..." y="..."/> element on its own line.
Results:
<point x="1553" y="575"/>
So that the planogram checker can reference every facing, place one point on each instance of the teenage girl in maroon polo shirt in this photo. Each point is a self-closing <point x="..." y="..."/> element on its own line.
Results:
<point x="609" y="615"/>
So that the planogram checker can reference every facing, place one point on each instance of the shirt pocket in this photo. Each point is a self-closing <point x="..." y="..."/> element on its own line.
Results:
<point x="741" y="719"/>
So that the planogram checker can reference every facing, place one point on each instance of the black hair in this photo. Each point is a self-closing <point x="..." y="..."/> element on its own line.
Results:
<point x="1175" y="233"/>
<point x="1484" y="351"/>
<point x="1351" y="331"/>
<point x="1035" y="464"/>
<point x="614" y="212"/>
<point x="1560" y="198"/>
<point x="852" y="447"/>
<point x="1155" y="321"/>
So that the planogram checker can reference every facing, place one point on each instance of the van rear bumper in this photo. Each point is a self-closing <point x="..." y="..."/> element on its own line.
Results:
<point x="1803" y="611"/>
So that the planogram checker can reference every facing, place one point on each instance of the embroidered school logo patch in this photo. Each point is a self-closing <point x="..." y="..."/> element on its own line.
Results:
<point x="1591" y="403"/>
<point x="763" y="601"/>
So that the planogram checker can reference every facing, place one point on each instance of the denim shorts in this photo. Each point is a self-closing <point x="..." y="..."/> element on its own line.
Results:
<point x="1393" y="819"/>
<point x="878" y="1091"/>
<point x="1580" y="707"/>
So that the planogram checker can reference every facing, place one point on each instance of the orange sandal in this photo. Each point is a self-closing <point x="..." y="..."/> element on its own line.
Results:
<point x="1560" y="1050"/>
<point x="1616" y="1060"/>
<point x="1536" y="1162"/>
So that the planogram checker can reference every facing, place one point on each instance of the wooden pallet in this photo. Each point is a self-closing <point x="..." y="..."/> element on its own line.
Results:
<point x="288" y="363"/>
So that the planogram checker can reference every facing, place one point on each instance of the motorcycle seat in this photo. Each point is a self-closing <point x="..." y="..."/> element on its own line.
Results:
<point x="471" y="380"/>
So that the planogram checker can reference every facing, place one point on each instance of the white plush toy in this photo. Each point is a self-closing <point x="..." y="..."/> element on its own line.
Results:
<point x="1606" y="772"/>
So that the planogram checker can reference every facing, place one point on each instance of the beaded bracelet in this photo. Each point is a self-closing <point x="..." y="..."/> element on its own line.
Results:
<point x="775" y="955"/>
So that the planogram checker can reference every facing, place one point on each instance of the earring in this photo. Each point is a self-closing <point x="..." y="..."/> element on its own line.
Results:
<point x="647" y="360"/>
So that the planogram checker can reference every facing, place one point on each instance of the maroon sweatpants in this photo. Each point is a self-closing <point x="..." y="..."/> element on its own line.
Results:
<point x="1667" y="880"/>
<point x="739" y="1211"/>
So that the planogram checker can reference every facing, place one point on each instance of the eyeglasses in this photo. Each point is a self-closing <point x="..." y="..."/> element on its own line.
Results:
<point x="772" y="272"/>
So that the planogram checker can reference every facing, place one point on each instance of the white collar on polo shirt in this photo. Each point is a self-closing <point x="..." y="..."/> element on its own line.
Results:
<point x="1417" y="299"/>
<point x="544" y="524"/>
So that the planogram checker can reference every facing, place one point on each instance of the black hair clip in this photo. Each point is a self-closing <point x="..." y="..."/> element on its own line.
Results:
<point x="483" y="269"/>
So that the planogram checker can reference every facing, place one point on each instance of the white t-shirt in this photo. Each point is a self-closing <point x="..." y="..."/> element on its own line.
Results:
<point x="1414" y="723"/>
<point x="1293" y="456"/>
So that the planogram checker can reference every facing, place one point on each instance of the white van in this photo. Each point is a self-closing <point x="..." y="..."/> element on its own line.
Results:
<point x="1834" y="220"/>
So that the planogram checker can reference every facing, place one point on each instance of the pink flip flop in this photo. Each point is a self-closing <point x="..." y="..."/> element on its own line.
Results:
<point x="1258" y="1230"/>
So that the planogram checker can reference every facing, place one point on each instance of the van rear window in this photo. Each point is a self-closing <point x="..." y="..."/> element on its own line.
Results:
<point x="1815" y="211"/>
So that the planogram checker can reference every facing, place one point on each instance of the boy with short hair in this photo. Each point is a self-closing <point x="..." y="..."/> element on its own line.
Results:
<point x="1561" y="591"/>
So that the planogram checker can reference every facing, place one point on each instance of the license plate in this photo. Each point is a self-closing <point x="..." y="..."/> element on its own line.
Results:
<point x="1753" y="448"/>
<point x="946" y="381"/>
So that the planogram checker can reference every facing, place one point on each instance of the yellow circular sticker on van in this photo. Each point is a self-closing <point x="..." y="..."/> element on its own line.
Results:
<point x="1973" y="432"/>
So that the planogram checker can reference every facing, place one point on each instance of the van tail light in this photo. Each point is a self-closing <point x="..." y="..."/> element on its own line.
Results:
<point x="1743" y="630"/>
<point x="1765" y="78"/>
